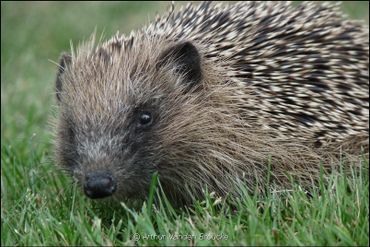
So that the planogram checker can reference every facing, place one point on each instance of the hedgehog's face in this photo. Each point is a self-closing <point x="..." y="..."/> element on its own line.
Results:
<point x="110" y="130"/>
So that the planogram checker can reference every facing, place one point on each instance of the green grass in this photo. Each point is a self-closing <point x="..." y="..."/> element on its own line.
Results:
<point x="40" y="206"/>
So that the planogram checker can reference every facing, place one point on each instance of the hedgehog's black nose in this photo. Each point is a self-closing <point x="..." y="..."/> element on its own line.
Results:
<point x="99" y="185"/>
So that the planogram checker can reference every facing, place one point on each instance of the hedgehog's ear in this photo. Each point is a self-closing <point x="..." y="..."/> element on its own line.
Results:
<point x="187" y="60"/>
<point x="64" y="61"/>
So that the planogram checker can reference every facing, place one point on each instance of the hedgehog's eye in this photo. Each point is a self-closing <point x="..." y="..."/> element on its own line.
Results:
<point x="145" y="119"/>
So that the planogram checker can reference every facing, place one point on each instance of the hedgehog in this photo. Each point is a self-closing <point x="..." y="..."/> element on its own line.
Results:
<point x="214" y="96"/>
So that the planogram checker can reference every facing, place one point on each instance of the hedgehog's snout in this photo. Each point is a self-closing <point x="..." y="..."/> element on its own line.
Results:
<point x="99" y="185"/>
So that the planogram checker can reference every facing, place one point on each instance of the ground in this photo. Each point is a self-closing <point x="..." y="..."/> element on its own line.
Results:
<point x="40" y="205"/>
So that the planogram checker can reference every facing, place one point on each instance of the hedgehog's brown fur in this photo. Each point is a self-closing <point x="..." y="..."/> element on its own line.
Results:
<point x="279" y="83"/>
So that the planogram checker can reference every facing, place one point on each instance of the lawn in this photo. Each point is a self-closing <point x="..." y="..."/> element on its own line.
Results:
<point x="40" y="205"/>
